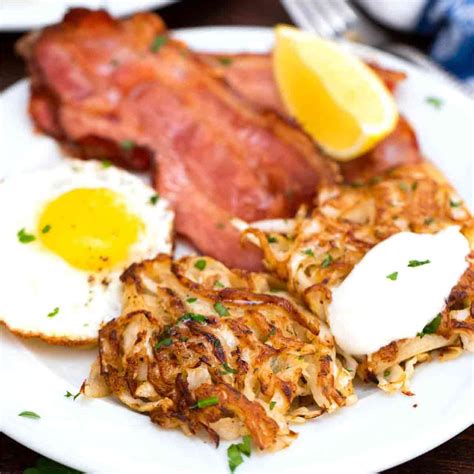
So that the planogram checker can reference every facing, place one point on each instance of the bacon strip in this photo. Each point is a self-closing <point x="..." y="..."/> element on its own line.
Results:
<point x="96" y="83"/>
<point x="252" y="77"/>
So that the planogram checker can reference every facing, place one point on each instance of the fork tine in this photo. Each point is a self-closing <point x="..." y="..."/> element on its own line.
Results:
<point x="298" y="14"/>
<point x="329" y="9"/>
<point x="347" y="11"/>
<point x="317" y="18"/>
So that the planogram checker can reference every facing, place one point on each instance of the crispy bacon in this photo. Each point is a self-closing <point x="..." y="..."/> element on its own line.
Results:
<point x="97" y="82"/>
<point x="251" y="76"/>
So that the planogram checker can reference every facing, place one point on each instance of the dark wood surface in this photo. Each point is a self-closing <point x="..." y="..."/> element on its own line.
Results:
<point x="455" y="456"/>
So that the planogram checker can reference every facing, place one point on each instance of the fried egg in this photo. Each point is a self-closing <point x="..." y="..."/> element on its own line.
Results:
<point x="67" y="235"/>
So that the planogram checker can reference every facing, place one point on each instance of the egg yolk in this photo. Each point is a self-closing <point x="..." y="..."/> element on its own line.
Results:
<point x="90" y="228"/>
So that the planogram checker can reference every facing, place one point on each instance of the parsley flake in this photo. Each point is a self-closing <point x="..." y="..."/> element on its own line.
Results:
<point x="271" y="333"/>
<point x="436" y="102"/>
<point x="127" y="145"/>
<point x="106" y="164"/>
<point x="200" y="264"/>
<point x="272" y="405"/>
<point x="219" y="284"/>
<point x="454" y="203"/>
<point x="431" y="327"/>
<point x="225" y="61"/>
<point x="154" y="199"/>
<point x="24" y="237"/>
<point x="234" y="457"/>
<point x="403" y="186"/>
<point x="69" y="395"/>
<point x="206" y="402"/>
<point x="53" y="313"/>
<point x="30" y="414"/>
<point x="235" y="451"/>
<point x="158" y="42"/>
<point x="228" y="369"/>
<point x="221" y="310"/>
<point x="308" y="252"/>
<point x="191" y="300"/>
<point x="393" y="276"/>
<point x="428" y="220"/>
<point x="200" y="318"/>
<point x="271" y="240"/>
<point x="417" y="263"/>
<point x="167" y="341"/>
<point x="386" y="373"/>
<point x="46" y="229"/>
<point x="327" y="261"/>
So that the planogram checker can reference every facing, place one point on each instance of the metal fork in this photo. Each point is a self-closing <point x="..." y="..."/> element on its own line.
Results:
<point x="337" y="19"/>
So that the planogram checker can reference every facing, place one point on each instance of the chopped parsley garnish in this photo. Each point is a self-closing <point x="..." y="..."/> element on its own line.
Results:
<point x="428" y="220"/>
<point x="225" y="61"/>
<point x="403" y="186"/>
<point x="454" y="203"/>
<point x="191" y="300"/>
<point x="271" y="240"/>
<point x="167" y="341"/>
<point x="30" y="414"/>
<point x="431" y="327"/>
<point x="393" y="276"/>
<point x="219" y="284"/>
<point x="308" y="252"/>
<point x="53" y="313"/>
<point x="272" y="405"/>
<point x="386" y="373"/>
<point x="154" y="199"/>
<point x="106" y="163"/>
<point x="375" y="180"/>
<point x="270" y="333"/>
<point x="221" y="310"/>
<point x="24" y="237"/>
<point x="234" y="457"/>
<point x="245" y="446"/>
<point x="206" y="402"/>
<point x="200" y="264"/>
<point x="434" y="101"/>
<point x="158" y="42"/>
<point x="414" y="185"/>
<point x="235" y="451"/>
<point x="200" y="318"/>
<point x="228" y="369"/>
<point x="327" y="261"/>
<point x="127" y="145"/>
<point x="418" y="263"/>
<point x="69" y="395"/>
<point x="46" y="229"/>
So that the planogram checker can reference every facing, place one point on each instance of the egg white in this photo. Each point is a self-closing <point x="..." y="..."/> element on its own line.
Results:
<point x="34" y="281"/>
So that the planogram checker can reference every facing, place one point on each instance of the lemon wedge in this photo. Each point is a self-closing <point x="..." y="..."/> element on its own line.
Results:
<point x="334" y="96"/>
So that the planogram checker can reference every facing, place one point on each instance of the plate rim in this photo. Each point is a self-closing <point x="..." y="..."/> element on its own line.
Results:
<point x="461" y="422"/>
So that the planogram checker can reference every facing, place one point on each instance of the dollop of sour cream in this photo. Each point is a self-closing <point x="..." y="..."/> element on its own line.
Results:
<point x="399" y="287"/>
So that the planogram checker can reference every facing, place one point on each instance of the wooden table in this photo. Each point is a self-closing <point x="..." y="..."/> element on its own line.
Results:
<point x="455" y="456"/>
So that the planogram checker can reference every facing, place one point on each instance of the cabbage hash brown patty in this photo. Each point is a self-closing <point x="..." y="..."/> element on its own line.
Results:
<point x="319" y="249"/>
<point x="202" y="347"/>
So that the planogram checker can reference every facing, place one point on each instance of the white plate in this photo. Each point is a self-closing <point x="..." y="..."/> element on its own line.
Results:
<point x="21" y="15"/>
<point x="380" y="431"/>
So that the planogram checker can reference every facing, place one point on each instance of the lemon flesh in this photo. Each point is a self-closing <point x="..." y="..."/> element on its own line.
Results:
<point x="335" y="97"/>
